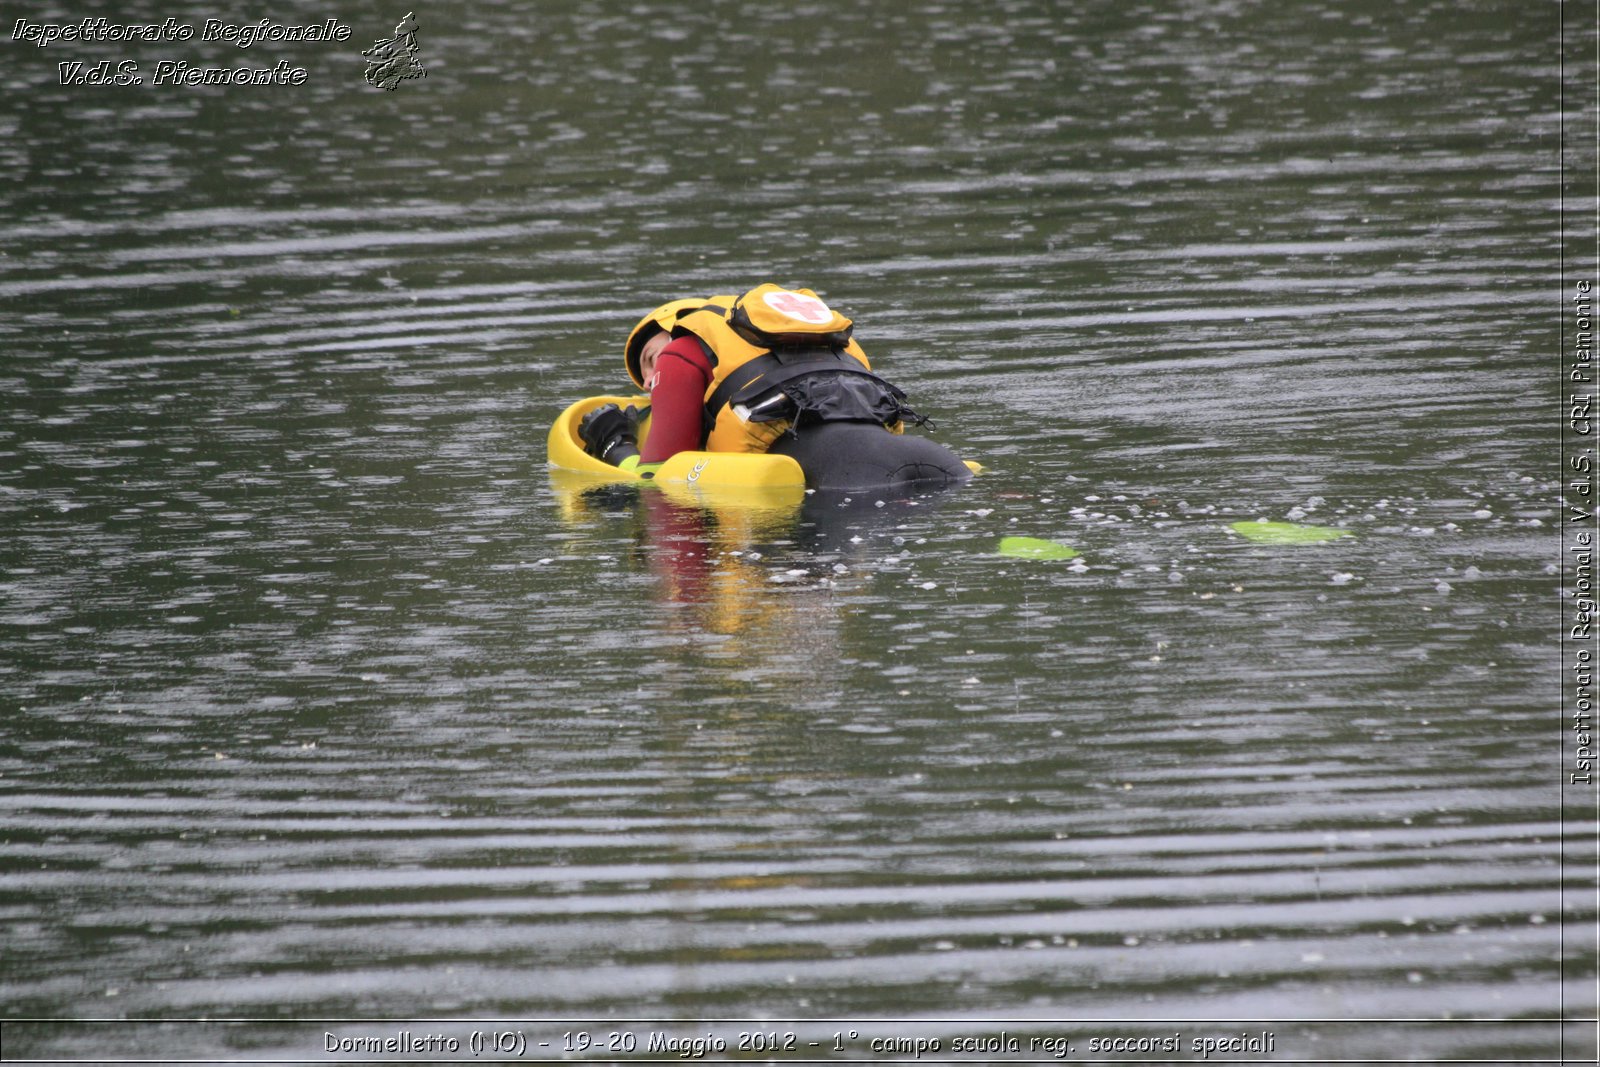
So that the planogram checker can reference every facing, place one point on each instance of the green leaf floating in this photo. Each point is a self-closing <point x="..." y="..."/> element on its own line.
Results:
<point x="1286" y="533"/>
<point x="1035" y="548"/>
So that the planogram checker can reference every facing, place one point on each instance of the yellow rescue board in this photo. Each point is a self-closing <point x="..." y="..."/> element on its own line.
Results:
<point x="720" y="474"/>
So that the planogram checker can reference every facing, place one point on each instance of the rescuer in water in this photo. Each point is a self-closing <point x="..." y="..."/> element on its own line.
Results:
<point x="775" y="370"/>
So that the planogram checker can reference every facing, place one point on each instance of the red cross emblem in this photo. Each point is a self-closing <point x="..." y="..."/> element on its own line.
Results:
<point x="804" y="308"/>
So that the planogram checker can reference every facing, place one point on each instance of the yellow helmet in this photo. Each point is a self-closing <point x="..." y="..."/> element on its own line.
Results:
<point x="662" y="318"/>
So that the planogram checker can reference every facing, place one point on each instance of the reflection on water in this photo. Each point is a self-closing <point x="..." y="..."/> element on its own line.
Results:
<point x="324" y="698"/>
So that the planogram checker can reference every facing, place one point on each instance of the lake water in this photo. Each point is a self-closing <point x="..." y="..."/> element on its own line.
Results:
<point x="325" y="700"/>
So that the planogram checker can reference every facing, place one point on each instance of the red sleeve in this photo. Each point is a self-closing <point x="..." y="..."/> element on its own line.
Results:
<point x="677" y="400"/>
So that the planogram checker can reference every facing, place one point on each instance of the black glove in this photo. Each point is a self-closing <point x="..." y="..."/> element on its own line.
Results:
<point x="611" y="434"/>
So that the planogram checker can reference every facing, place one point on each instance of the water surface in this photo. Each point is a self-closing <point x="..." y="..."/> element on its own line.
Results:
<point x="324" y="699"/>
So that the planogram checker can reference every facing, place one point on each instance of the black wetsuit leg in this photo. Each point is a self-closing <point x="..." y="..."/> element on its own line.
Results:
<point x="860" y="455"/>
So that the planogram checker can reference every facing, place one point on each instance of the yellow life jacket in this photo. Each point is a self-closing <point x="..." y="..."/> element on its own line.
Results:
<point x="767" y="348"/>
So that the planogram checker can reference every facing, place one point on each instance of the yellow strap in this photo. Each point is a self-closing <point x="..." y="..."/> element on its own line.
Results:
<point x="633" y="466"/>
